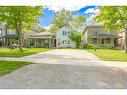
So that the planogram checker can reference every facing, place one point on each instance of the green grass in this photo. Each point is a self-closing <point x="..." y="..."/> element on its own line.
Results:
<point x="110" y="54"/>
<point x="4" y="52"/>
<point x="10" y="66"/>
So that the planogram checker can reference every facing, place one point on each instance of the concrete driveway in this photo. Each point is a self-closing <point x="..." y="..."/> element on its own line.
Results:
<point x="65" y="76"/>
<point x="66" y="68"/>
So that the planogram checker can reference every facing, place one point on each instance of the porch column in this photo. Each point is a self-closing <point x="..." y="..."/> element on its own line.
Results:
<point x="89" y="41"/>
<point x="49" y="42"/>
<point x="112" y="42"/>
<point x="35" y="42"/>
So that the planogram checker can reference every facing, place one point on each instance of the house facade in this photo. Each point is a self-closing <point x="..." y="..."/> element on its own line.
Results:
<point x="98" y="35"/>
<point x="42" y="39"/>
<point x="121" y="39"/>
<point x="62" y="38"/>
<point x="7" y="36"/>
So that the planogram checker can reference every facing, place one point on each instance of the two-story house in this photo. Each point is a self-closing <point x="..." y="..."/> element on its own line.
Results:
<point x="96" y="34"/>
<point x="7" y="36"/>
<point x="62" y="38"/>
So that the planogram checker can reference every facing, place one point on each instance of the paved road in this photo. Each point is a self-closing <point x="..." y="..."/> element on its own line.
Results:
<point x="65" y="76"/>
<point x="63" y="68"/>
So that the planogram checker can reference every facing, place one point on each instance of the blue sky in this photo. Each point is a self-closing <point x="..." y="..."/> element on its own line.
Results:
<point x="49" y="13"/>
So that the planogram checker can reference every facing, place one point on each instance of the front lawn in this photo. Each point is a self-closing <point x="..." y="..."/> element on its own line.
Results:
<point x="4" y="52"/>
<point x="110" y="54"/>
<point x="10" y="66"/>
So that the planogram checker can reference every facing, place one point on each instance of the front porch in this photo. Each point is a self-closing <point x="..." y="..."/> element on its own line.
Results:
<point x="103" y="41"/>
<point x="40" y="42"/>
<point x="43" y="39"/>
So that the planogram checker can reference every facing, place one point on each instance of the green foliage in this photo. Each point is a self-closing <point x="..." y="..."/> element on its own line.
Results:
<point x="78" y="21"/>
<point x="10" y="66"/>
<point x="26" y="15"/>
<point x="20" y="18"/>
<point x="110" y="54"/>
<point x="114" y="18"/>
<point x="76" y="37"/>
<point x="66" y="18"/>
<point x="4" y="52"/>
<point x="92" y="46"/>
<point x="61" y="19"/>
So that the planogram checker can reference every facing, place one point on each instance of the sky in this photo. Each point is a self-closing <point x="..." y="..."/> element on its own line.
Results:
<point x="49" y="12"/>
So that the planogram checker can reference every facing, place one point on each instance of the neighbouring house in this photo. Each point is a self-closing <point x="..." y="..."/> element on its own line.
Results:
<point x="96" y="34"/>
<point x="121" y="39"/>
<point x="62" y="38"/>
<point x="7" y="36"/>
<point x="42" y="39"/>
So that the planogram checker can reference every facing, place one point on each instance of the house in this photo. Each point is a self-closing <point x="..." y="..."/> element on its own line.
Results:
<point x="7" y="36"/>
<point x="121" y="39"/>
<point x="42" y="39"/>
<point x="62" y="38"/>
<point x="96" y="34"/>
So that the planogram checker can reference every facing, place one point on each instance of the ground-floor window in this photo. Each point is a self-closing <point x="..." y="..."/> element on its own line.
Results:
<point x="108" y="40"/>
<point x="65" y="42"/>
<point x="95" y="40"/>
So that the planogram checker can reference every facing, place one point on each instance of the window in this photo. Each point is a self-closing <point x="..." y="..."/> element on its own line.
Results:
<point x="64" y="33"/>
<point x="0" y="32"/>
<point x="96" y="32"/>
<point x="94" y="40"/>
<point x="65" y="42"/>
<point x="108" y="40"/>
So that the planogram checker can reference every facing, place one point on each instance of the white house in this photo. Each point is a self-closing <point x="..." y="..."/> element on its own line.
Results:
<point x="62" y="38"/>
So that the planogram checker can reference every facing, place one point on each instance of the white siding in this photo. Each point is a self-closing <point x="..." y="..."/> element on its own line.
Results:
<point x="60" y="38"/>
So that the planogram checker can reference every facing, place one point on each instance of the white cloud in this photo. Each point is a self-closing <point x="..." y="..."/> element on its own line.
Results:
<point x="92" y="10"/>
<point x="70" y="5"/>
<point x="47" y="27"/>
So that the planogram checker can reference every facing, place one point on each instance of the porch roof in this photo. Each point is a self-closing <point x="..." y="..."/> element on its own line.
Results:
<point x="104" y="36"/>
<point x="9" y="36"/>
<point x="42" y="35"/>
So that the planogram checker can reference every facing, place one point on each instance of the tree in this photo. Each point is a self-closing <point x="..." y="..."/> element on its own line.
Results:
<point x="20" y="18"/>
<point x="114" y="18"/>
<point x="78" y="21"/>
<point x="61" y="19"/>
<point x="76" y="37"/>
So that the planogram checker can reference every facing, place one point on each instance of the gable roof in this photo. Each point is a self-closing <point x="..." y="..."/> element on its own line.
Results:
<point x="63" y="28"/>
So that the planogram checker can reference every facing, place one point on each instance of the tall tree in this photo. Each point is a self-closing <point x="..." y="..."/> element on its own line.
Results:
<point x="114" y="18"/>
<point x="20" y="18"/>
<point x="61" y="19"/>
<point x="78" y="21"/>
<point x="76" y="37"/>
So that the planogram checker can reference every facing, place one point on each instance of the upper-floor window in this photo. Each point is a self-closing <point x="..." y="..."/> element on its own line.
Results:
<point x="65" y="33"/>
<point x="96" y="32"/>
<point x="0" y="32"/>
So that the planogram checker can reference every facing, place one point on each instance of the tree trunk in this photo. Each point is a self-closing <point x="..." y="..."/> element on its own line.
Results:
<point x="20" y="41"/>
<point x="125" y="48"/>
<point x="20" y="37"/>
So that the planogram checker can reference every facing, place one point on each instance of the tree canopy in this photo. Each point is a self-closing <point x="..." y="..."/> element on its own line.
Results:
<point x="114" y="18"/>
<point x="76" y="37"/>
<point x="66" y="18"/>
<point x="20" y="18"/>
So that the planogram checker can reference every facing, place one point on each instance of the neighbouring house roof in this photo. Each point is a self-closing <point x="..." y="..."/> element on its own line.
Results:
<point x="45" y="34"/>
<point x="104" y="36"/>
<point x="93" y="26"/>
<point x="9" y="36"/>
